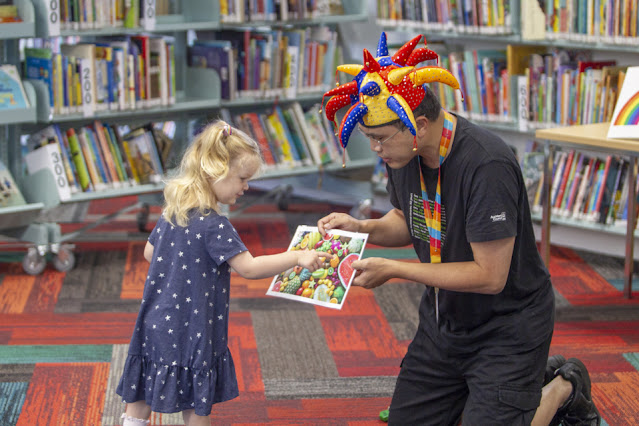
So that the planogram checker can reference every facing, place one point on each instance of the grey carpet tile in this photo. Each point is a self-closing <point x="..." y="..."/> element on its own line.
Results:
<point x="346" y="387"/>
<point x="96" y="279"/>
<point x="560" y="301"/>
<point x="16" y="372"/>
<point x="609" y="267"/>
<point x="291" y="345"/>
<point x="245" y="304"/>
<point x="400" y="304"/>
<point x="108" y="272"/>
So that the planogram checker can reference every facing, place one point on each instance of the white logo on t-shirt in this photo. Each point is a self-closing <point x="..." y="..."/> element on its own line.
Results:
<point x="499" y="217"/>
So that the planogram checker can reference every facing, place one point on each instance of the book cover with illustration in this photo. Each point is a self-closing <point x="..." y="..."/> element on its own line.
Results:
<point x="12" y="94"/>
<point x="625" y="118"/>
<point x="328" y="285"/>
<point x="10" y="194"/>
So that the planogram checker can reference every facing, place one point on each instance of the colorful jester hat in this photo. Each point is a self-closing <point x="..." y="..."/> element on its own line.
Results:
<point x="385" y="88"/>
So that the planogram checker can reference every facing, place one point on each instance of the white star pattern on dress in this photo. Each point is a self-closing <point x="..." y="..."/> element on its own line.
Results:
<point x="207" y="337"/>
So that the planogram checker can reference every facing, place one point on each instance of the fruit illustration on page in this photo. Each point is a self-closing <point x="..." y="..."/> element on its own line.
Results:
<point x="328" y="285"/>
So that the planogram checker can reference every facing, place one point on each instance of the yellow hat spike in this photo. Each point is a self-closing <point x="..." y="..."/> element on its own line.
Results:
<point x="352" y="69"/>
<point x="438" y="74"/>
<point x="397" y="75"/>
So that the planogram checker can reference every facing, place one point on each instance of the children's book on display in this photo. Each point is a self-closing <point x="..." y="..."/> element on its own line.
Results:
<point x="625" y="118"/>
<point x="327" y="286"/>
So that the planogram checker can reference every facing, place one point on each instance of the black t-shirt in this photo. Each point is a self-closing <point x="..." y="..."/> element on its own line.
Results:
<point x="483" y="199"/>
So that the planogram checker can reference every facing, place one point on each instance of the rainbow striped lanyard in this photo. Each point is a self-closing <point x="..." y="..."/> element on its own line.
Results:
<point x="434" y="218"/>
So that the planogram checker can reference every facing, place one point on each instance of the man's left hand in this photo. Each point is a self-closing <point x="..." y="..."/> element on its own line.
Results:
<point x="370" y="273"/>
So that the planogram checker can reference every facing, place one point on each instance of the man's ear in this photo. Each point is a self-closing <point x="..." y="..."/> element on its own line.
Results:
<point x="422" y="124"/>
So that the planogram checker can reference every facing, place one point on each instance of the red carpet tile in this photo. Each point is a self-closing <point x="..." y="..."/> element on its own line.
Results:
<point x="65" y="394"/>
<point x="580" y="284"/>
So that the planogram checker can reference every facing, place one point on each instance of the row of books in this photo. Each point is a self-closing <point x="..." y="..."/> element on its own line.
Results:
<point x="123" y="73"/>
<point x="94" y="14"/>
<point x="556" y="88"/>
<point x="584" y="187"/>
<point x="100" y="156"/>
<point x="235" y="11"/>
<point x="268" y="64"/>
<point x="572" y="92"/>
<point x="290" y="136"/>
<point x="464" y="16"/>
<point x="606" y="21"/>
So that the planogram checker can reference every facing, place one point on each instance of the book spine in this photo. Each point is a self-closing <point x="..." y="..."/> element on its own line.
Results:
<point x="77" y="157"/>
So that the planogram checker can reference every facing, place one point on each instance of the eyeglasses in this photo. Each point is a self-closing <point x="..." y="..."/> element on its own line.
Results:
<point x="378" y="141"/>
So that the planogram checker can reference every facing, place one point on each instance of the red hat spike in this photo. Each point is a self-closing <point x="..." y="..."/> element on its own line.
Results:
<point x="349" y="88"/>
<point x="334" y="104"/>
<point x="370" y="63"/>
<point x="404" y="52"/>
<point x="420" y="55"/>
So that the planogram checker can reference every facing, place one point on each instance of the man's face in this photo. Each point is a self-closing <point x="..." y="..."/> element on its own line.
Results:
<point x="394" y="146"/>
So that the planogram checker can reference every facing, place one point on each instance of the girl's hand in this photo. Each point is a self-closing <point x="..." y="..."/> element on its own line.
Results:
<point x="338" y="221"/>
<point x="311" y="259"/>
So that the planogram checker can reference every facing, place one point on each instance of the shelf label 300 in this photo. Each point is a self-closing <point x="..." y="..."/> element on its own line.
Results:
<point x="53" y="17"/>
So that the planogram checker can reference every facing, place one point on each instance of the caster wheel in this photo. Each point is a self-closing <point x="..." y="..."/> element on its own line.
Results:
<point x="143" y="217"/>
<point x="64" y="260"/>
<point x="33" y="262"/>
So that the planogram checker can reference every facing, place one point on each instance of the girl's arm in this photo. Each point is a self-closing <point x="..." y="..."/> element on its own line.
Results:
<point x="269" y="265"/>
<point x="148" y="252"/>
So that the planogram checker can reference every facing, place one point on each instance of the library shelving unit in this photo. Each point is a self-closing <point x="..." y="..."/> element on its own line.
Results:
<point x="590" y="137"/>
<point x="576" y="233"/>
<point x="197" y="95"/>
<point x="18" y="222"/>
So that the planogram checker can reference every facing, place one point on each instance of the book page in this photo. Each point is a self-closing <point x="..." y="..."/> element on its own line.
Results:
<point x="329" y="285"/>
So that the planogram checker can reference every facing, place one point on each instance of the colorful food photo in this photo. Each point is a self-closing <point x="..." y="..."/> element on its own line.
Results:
<point x="328" y="285"/>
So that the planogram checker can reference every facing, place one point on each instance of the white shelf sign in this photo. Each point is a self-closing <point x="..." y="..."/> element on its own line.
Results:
<point x="53" y="17"/>
<point x="87" y="88"/>
<point x="149" y="14"/>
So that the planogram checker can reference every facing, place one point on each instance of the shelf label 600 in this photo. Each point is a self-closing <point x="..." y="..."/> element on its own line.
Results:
<point x="53" y="17"/>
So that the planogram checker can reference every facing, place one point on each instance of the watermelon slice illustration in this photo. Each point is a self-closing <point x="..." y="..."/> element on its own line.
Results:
<point x="345" y="271"/>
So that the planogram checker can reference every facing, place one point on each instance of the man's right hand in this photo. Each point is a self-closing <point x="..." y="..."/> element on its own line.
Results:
<point x="338" y="221"/>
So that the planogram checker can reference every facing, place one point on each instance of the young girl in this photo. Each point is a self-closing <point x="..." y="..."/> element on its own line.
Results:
<point x="178" y="357"/>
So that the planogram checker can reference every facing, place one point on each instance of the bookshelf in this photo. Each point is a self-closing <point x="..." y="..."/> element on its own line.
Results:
<point x="198" y="94"/>
<point x="591" y="137"/>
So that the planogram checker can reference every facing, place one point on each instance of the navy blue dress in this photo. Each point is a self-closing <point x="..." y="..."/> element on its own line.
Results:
<point x="178" y="357"/>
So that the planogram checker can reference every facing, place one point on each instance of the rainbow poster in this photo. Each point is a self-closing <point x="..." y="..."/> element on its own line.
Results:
<point x="625" y="118"/>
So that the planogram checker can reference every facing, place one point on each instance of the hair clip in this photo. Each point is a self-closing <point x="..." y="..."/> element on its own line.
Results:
<point x="228" y="130"/>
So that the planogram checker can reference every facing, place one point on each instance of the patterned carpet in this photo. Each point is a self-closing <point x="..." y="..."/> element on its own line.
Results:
<point x="64" y="336"/>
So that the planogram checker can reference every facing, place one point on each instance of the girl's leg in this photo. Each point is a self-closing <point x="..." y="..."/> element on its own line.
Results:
<point x="192" y="419"/>
<point x="136" y="414"/>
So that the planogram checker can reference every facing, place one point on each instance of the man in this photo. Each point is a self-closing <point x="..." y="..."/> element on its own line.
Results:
<point x="487" y="315"/>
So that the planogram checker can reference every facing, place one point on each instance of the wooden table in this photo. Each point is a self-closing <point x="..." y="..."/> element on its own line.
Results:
<point x="590" y="137"/>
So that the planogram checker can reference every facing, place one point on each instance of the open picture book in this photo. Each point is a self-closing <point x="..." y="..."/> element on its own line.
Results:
<point x="329" y="285"/>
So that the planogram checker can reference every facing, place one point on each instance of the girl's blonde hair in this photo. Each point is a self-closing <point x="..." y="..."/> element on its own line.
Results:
<point x="205" y="161"/>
